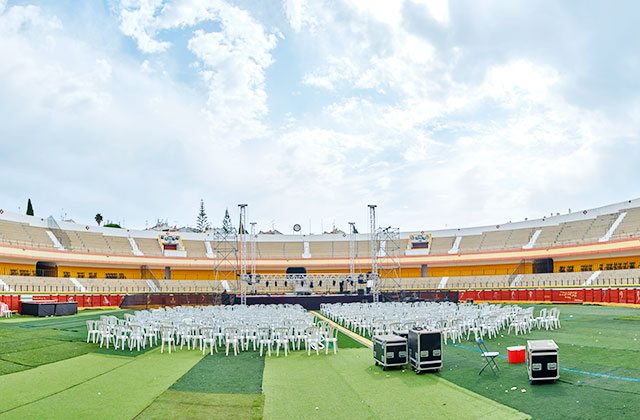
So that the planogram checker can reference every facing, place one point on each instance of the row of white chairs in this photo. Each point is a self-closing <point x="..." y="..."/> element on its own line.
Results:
<point x="263" y="328"/>
<point x="456" y="321"/>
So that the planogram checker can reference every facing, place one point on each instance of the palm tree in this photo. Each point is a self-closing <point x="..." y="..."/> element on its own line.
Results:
<point x="98" y="219"/>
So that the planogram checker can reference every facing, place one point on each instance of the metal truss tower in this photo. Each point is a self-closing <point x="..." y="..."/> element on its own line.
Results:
<point x="225" y="248"/>
<point x="253" y="251"/>
<point x="242" y="278"/>
<point x="390" y="249"/>
<point x="373" y="247"/>
<point x="352" y="250"/>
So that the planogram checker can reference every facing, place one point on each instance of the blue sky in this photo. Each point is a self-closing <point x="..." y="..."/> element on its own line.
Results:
<point x="444" y="113"/>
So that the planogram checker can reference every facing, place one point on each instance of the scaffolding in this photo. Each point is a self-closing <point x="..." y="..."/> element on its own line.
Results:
<point x="253" y="250"/>
<point x="374" y="246"/>
<point x="224" y="245"/>
<point x="242" y="277"/>
<point x="390" y="249"/>
<point x="352" y="249"/>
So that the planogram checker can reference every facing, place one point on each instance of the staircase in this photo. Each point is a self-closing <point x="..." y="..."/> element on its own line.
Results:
<point x="78" y="285"/>
<point x="516" y="280"/>
<point x="134" y="246"/>
<point x="61" y="235"/>
<point x="54" y="240"/>
<point x="613" y="227"/>
<point x="209" y="249"/>
<point x="456" y="246"/>
<point x="532" y="241"/>
<point x="148" y="276"/>
<point x="517" y="273"/>
<point x="5" y="287"/>
<point x="592" y="277"/>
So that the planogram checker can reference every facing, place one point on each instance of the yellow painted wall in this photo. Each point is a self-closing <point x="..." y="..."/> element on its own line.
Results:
<point x="14" y="269"/>
<point x="478" y="270"/>
<point x="8" y="268"/>
<point x="596" y="264"/>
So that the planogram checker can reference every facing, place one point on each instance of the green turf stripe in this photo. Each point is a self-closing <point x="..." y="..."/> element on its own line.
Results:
<point x="10" y="367"/>
<point x="192" y="405"/>
<point x="50" y="354"/>
<point x="347" y="385"/>
<point x="220" y="374"/>
<point x="34" y="384"/>
<point x="122" y="392"/>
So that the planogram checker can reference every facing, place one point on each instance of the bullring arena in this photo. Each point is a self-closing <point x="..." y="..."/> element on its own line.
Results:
<point x="234" y="324"/>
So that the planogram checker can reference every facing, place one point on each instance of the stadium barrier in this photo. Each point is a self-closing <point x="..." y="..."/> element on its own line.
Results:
<point x="585" y="295"/>
<point x="573" y="295"/>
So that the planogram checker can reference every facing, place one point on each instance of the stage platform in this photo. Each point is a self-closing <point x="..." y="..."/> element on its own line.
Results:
<point x="309" y="302"/>
<point x="49" y="308"/>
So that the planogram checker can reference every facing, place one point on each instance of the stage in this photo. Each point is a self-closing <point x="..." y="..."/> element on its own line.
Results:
<point x="309" y="302"/>
<point x="49" y="308"/>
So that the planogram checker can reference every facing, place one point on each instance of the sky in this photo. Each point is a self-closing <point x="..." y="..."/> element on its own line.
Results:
<point x="442" y="113"/>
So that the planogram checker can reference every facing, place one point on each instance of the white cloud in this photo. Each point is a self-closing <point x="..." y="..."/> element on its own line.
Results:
<point x="409" y="115"/>
<point x="293" y="10"/>
<point x="438" y="9"/>
<point x="232" y="60"/>
<point x="138" y="20"/>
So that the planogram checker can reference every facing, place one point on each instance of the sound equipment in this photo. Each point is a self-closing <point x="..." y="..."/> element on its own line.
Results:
<point x="425" y="349"/>
<point x="542" y="362"/>
<point x="389" y="350"/>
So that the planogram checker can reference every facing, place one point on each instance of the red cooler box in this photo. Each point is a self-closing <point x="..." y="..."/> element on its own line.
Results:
<point x="516" y="354"/>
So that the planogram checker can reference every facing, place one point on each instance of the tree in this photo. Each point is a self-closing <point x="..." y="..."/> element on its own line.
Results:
<point x="29" y="208"/>
<point x="227" y="226"/>
<point x="242" y="230"/>
<point x="202" y="224"/>
<point x="98" y="219"/>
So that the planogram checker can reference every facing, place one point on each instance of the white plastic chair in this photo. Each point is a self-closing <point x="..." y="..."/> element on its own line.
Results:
<point x="167" y="336"/>
<point x="231" y="338"/>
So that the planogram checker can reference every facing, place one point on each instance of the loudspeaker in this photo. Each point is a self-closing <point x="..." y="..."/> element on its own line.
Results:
<point x="225" y="299"/>
<point x="543" y="265"/>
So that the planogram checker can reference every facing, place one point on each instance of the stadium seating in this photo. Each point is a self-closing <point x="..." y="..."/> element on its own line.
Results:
<point x="149" y="246"/>
<point x="118" y="244"/>
<point x="23" y="234"/>
<point x="630" y="225"/>
<point x="195" y="249"/>
<point x="33" y="284"/>
<point x="440" y="246"/>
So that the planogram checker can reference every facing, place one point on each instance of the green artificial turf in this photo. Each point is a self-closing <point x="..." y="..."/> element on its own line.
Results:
<point x="220" y="374"/>
<point x="591" y="340"/>
<point x="119" y="391"/>
<point x="47" y="367"/>
<point x="347" y="385"/>
<point x="346" y="342"/>
<point x="10" y="367"/>
<point x="34" y="341"/>
<point x="22" y="388"/>
<point x="192" y="405"/>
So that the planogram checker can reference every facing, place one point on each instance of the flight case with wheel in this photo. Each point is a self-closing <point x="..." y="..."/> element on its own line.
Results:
<point x="425" y="349"/>
<point x="389" y="350"/>
<point x="543" y="362"/>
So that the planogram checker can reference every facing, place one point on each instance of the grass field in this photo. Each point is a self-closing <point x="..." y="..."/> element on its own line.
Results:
<point x="48" y="370"/>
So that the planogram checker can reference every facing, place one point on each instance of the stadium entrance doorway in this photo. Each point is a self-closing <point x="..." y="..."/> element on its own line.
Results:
<point x="46" y="269"/>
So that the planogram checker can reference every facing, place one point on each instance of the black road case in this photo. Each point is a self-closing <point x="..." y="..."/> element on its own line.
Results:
<point x="389" y="350"/>
<point x="425" y="349"/>
<point x="543" y="362"/>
